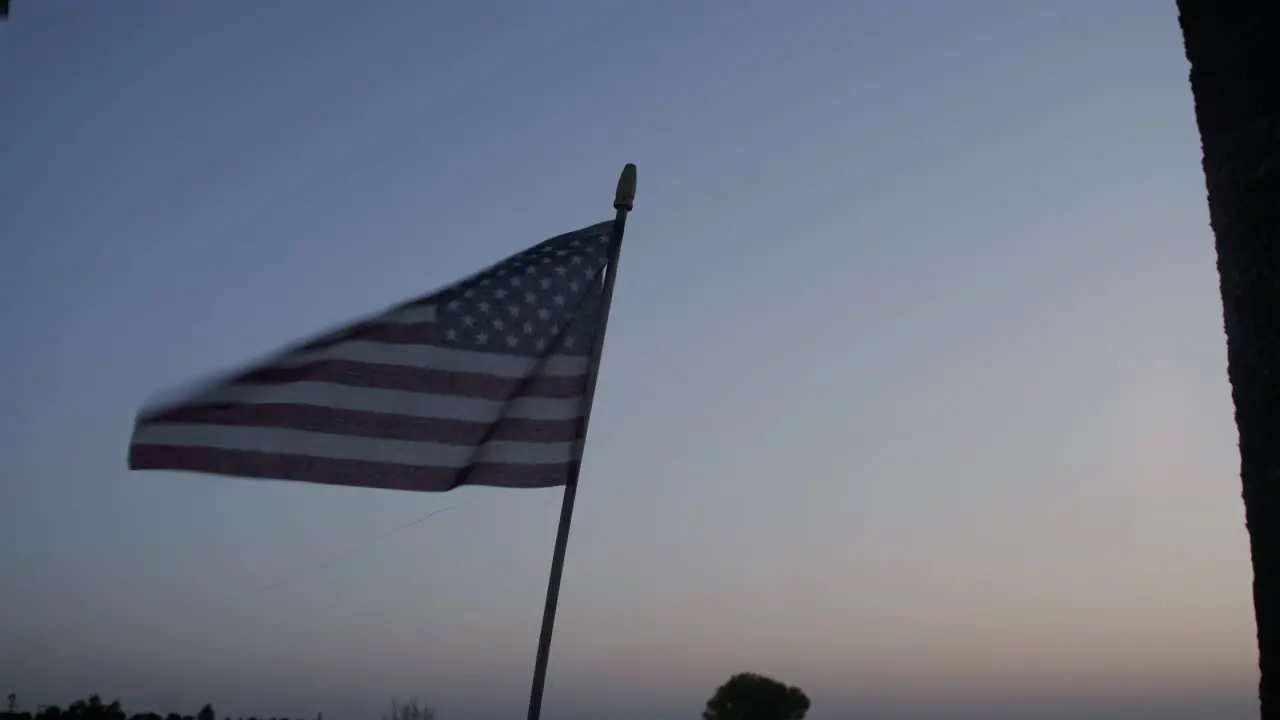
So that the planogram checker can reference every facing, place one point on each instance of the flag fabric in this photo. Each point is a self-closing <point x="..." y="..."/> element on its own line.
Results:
<point x="481" y="383"/>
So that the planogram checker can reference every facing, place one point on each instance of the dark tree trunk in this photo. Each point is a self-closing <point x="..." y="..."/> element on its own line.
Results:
<point x="1234" y="50"/>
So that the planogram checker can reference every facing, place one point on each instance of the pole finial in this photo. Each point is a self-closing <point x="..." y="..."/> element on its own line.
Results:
<point x="625" y="198"/>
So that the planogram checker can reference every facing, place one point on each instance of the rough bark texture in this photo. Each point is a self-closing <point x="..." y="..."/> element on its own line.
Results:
<point x="1234" y="50"/>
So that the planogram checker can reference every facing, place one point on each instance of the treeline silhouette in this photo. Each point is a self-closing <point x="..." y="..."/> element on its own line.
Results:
<point x="93" y="708"/>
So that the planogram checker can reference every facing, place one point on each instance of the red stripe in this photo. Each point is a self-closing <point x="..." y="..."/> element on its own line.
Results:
<point x="334" y="421"/>
<point x="414" y="379"/>
<point x="351" y="473"/>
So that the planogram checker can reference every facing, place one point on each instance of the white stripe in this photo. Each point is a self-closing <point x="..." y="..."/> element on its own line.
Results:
<point x="438" y="358"/>
<point x="393" y="402"/>
<point x="346" y="447"/>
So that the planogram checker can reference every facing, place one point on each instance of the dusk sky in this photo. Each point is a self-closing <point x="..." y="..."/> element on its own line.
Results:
<point x="914" y="393"/>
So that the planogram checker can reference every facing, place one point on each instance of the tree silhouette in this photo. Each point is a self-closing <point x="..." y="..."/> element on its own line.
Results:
<point x="411" y="710"/>
<point x="1235" y="70"/>
<point x="93" y="708"/>
<point x="748" y="696"/>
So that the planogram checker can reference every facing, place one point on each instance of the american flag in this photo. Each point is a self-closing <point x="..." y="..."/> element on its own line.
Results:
<point x="481" y="383"/>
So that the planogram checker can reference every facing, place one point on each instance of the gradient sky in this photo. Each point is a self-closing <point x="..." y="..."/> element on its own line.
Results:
<point x="914" y="393"/>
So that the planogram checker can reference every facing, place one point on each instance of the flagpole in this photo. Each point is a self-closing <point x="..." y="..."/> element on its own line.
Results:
<point x="623" y="200"/>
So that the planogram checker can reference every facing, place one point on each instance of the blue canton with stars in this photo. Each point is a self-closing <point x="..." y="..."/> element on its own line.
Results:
<point x="545" y="300"/>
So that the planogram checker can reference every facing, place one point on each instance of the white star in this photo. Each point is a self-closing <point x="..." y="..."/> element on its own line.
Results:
<point x="545" y="283"/>
<point x="497" y="324"/>
<point x="454" y="304"/>
<point x="499" y="294"/>
<point x="530" y="298"/>
<point x="559" y="300"/>
<point x="468" y="321"/>
<point x="482" y="338"/>
<point x="514" y="310"/>
<point x="515" y="281"/>
<point x="485" y="281"/>
<point x="576" y="260"/>
<point x="469" y="292"/>
<point x="568" y="342"/>
<point x="561" y="270"/>
<point x="528" y="328"/>
<point x="483" y="307"/>
<point x="544" y="314"/>
<point x="451" y="334"/>
<point x="540" y="344"/>
<point x="530" y="270"/>
<point x="512" y="341"/>
<point x="573" y="286"/>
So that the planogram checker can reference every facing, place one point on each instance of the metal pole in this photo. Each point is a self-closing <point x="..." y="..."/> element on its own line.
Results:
<point x="623" y="201"/>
